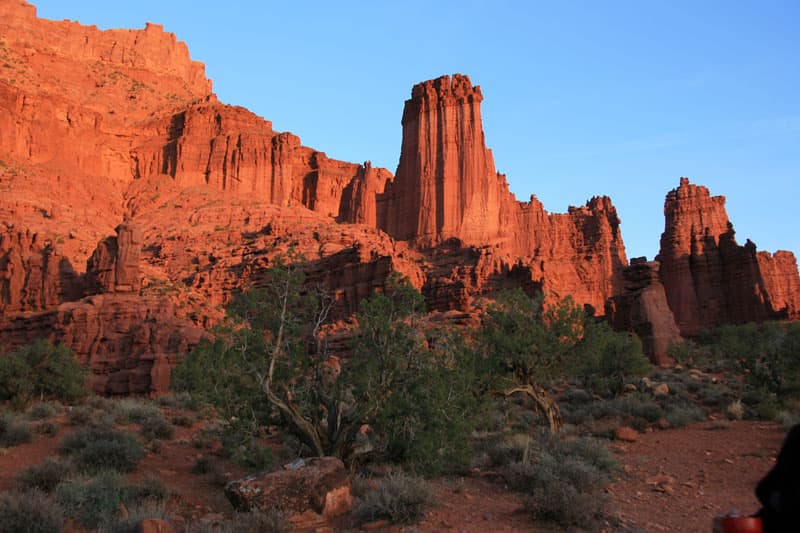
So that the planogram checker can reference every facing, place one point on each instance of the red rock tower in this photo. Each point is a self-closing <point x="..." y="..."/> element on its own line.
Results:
<point x="446" y="184"/>
<point x="709" y="279"/>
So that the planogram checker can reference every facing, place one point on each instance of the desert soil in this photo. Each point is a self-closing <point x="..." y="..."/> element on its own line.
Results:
<point x="676" y="480"/>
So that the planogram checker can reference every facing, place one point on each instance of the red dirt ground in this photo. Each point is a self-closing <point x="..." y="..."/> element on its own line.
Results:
<point x="704" y="470"/>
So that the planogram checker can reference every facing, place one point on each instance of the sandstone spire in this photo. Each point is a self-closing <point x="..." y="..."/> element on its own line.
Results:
<point x="709" y="279"/>
<point x="446" y="184"/>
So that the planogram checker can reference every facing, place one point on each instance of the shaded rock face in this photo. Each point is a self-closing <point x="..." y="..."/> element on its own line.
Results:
<point x="309" y="491"/>
<point x="643" y="309"/>
<point x="129" y="342"/>
<point x="709" y="278"/>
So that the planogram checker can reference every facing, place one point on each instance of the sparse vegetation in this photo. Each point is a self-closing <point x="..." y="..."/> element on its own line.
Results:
<point x="30" y="511"/>
<point x="96" y="449"/>
<point x="40" y="370"/>
<point x="44" y="476"/>
<point x="399" y="497"/>
<point x="13" y="431"/>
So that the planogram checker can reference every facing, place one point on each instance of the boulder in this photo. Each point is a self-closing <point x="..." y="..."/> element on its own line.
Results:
<point x="308" y="490"/>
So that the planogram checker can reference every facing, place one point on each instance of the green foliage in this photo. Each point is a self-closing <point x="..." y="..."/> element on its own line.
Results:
<point x="420" y="388"/>
<point x="44" y="476"/>
<point x="768" y="354"/>
<point x="564" y="481"/>
<point x="41" y="411"/>
<point x="92" y="500"/>
<point x="96" y="449"/>
<point x="13" y="432"/>
<point x="410" y="387"/>
<point x="80" y="415"/>
<point x="399" y="498"/>
<point x="29" y="511"/>
<point x="523" y="340"/>
<point x="40" y="369"/>
<point x="607" y="359"/>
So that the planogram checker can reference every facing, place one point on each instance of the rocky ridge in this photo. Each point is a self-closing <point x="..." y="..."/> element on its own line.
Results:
<point x="134" y="203"/>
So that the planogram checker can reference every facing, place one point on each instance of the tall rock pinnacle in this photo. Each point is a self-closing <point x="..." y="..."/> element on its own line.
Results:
<point x="446" y="184"/>
<point x="709" y="279"/>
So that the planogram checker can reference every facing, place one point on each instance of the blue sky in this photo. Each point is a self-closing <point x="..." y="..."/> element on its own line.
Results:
<point x="580" y="98"/>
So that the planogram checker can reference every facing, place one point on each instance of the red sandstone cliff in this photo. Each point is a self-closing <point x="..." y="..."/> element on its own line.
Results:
<point x="446" y="187"/>
<point x="102" y="127"/>
<point x="709" y="279"/>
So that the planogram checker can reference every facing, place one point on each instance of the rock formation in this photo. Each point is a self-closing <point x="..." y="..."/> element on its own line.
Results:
<point x="643" y="309"/>
<point x="446" y="187"/>
<point x="709" y="279"/>
<point x="98" y="127"/>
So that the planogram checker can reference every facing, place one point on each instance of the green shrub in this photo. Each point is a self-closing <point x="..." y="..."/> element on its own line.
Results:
<point x="40" y="369"/>
<point x="91" y="500"/>
<point x="272" y="521"/>
<point x="150" y="488"/>
<point x="156" y="427"/>
<point x="44" y="476"/>
<point x="682" y="416"/>
<point x="41" y="411"/>
<point x="95" y="449"/>
<point x="131" y="410"/>
<point x="204" y="465"/>
<point x="13" y="432"/>
<point x="564" y="481"/>
<point x="136" y="514"/>
<point x="246" y="450"/>
<point x="46" y="428"/>
<point x="399" y="498"/>
<point x="30" y="511"/>
<point x="185" y="421"/>
<point x="80" y="415"/>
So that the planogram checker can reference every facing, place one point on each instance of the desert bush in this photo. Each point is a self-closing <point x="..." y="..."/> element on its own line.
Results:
<point x="735" y="410"/>
<point x="680" y="416"/>
<point x="46" y="428"/>
<point x="246" y="450"/>
<point x="415" y="394"/>
<point x="185" y="421"/>
<point x="44" y="476"/>
<point x="204" y="465"/>
<point x="40" y="370"/>
<point x="135" y="411"/>
<point x="608" y="359"/>
<point x="41" y="411"/>
<point x="400" y="498"/>
<point x="272" y="521"/>
<point x="564" y="480"/>
<point x="80" y="415"/>
<point x="156" y="427"/>
<point x="150" y="489"/>
<point x="30" y="511"/>
<point x="136" y="513"/>
<point x="95" y="449"/>
<point x="13" y="431"/>
<point x="91" y="501"/>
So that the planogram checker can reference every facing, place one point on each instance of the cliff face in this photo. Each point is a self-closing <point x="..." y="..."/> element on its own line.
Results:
<point x="446" y="187"/>
<point x="709" y="279"/>
<point x="134" y="204"/>
<point x="643" y="309"/>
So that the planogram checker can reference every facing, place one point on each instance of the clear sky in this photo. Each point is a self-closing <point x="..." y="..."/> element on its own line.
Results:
<point x="580" y="98"/>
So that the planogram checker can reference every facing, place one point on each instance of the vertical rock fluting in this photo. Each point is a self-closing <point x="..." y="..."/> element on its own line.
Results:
<point x="446" y="187"/>
<point x="446" y="184"/>
<point x="709" y="279"/>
